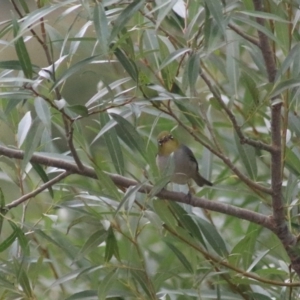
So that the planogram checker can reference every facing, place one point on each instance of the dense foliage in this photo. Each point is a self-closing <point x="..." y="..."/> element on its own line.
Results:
<point x="85" y="88"/>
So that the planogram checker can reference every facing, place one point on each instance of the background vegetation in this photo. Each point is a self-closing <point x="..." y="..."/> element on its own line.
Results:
<point x="85" y="88"/>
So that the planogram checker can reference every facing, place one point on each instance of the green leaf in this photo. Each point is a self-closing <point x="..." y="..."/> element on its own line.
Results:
<point x="243" y="251"/>
<point x="127" y="132"/>
<point x="212" y="236"/>
<point x="187" y="221"/>
<point x="173" y="56"/>
<point x="32" y="141"/>
<point x="216" y="9"/>
<point x="106" y="184"/>
<point x="113" y="145"/>
<point x="39" y="169"/>
<point x="42" y="111"/>
<point x="125" y="16"/>
<point x="84" y="295"/>
<point x="247" y="155"/>
<point x="189" y="111"/>
<point x="21" y="51"/>
<point x="143" y="280"/>
<point x="292" y="160"/>
<point x="163" y="211"/>
<point x="73" y="69"/>
<point x="92" y="242"/>
<point x="163" y="10"/>
<point x="129" y="197"/>
<point x="127" y="63"/>
<point x="288" y="61"/>
<point x="23" y="128"/>
<point x="283" y="86"/>
<point x="257" y="26"/>
<point x="107" y="283"/>
<point x="193" y="69"/>
<point x="22" y="278"/>
<point x="181" y="257"/>
<point x="14" y="65"/>
<point x="2" y="211"/>
<point x="232" y="61"/>
<point x="80" y="110"/>
<point x="111" y="248"/>
<point x="8" y="241"/>
<point x="101" y="27"/>
<point x="263" y="15"/>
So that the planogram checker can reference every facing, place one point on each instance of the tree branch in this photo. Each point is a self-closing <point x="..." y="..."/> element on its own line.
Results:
<point x="38" y="190"/>
<point x="237" y="128"/>
<point x="265" y="47"/>
<point x="72" y="168"/>
<point x="281" y="229"/>
<point x="247" y="37"/>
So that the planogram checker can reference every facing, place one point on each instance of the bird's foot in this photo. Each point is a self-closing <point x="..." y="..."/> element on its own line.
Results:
<point x="188" y="198"/>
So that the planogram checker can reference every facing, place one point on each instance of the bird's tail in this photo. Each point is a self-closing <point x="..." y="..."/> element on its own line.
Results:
<point x="201" y="181"/>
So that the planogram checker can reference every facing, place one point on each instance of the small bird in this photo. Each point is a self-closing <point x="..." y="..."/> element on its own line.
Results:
<point x="185" y="163"/>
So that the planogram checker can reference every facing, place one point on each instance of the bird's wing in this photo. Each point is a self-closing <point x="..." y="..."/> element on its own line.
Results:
<point x="190" y="154"/>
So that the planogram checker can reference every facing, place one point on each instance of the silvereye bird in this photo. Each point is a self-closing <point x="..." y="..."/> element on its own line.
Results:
<point x="185" y="163"/>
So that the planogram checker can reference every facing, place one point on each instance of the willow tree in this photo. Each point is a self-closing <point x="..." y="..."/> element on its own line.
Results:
<point x="85" y="88"/>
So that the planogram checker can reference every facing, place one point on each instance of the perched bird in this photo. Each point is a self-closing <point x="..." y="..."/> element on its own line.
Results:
<point x="185" y="163"/>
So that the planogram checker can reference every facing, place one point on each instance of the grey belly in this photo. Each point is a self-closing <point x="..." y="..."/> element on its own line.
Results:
<point x="184" y="168"/>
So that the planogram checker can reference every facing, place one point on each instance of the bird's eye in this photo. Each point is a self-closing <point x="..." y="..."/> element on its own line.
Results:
<point x="171" y="137"/>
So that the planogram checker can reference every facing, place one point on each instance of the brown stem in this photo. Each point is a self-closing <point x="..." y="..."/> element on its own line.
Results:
<point x="243" y="139"/>
<point x="72" y="168"/>
<point x="69" y="133"/>
<point x="38" y="190"/>
<point x="247" y="37"/>
<point x="280" y="226"/>
<point x="222" y="262"/>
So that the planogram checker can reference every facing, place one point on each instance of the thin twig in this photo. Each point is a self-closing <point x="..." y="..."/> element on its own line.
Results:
<point x="48" y="100"/>
<point x="38" y="190"/>
<point x="222" y="262"/>
<point x="243" y="139"/>
<point x="70" y="131"/>
<point x="247" y="37"/>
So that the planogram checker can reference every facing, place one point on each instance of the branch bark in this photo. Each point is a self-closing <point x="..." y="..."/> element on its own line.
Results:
<point x="121" y="181"/>
<point x="281" y="229"/>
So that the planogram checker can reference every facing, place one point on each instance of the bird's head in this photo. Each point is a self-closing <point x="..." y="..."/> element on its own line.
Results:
<point x="166" y="143"/>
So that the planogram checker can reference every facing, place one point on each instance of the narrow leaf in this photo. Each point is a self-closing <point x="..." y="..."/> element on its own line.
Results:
<point x="127" y="132"/>
<point x="101" y="27"/>
<point x="111" y="246"/>
<point x="113" y="145"/>
<point x="23" y="128"/>
<point x="247" y="155"/>
<point x="181" y="257"/>
<point x="212" y="236"/>
<point x="21" y="50"/>
<point x="125" y="16"/>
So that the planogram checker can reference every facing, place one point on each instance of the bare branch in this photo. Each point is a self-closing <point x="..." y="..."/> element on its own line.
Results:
<point x="243" y="139"/>
<point x="247" y="37"/>
<point x="217" y="261"/>
<point x="280" y="226"/>
<point x="71" y="167"/>
<point x="265" y="46"/>
<point x="38" y="190"/>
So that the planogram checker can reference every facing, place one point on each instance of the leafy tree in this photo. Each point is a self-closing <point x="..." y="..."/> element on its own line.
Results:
<point x="85" y="88"/>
